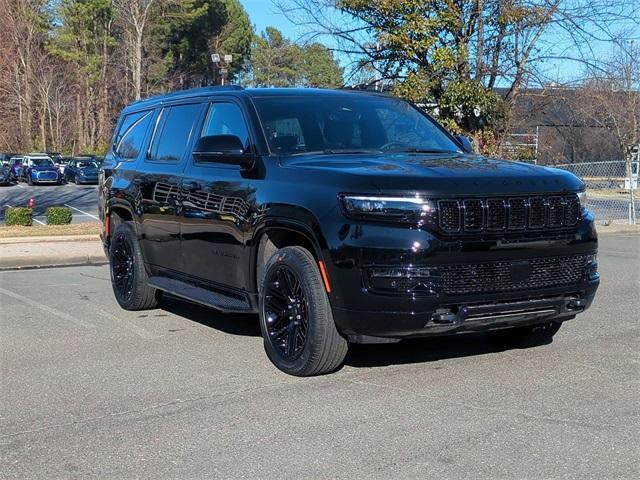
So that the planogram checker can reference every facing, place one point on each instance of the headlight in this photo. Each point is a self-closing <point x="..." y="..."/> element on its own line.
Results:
<point x="582" y="197"/>
<point x="406" y="209"/>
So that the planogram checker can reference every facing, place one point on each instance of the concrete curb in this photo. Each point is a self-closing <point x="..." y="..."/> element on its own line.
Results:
<point x="49" y="239"/>
<point x="33" y="262"/>
<point x="22" y="254"/>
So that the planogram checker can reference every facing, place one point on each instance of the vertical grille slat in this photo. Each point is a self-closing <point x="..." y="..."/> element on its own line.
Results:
<point x="449" y="215"/>
<point x="572" y="210"/>
<point x="473" y="215"/>
<point x="476" y="215"/>
<point x="537" y="212"/>
<point x="517" y="213"/>
<point x="556" y="211"/>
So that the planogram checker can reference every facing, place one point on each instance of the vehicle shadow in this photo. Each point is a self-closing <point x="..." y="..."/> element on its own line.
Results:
<point x="420" y="350"/>
<point x="243" y="324"/>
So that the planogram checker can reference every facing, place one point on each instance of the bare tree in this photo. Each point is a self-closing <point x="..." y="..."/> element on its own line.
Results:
<point x="135" y="14"/>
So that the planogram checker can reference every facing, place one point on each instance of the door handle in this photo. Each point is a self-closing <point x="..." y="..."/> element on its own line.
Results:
<point x="193" y="186"/>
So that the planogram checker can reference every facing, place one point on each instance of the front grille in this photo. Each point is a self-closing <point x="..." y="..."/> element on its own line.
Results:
<point x="507" y="276"/>
<point x="475" y="215"/>
<point x="46" y="176"/>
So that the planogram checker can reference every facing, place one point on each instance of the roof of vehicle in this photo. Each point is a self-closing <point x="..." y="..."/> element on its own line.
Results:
<point x="239" y="91"/>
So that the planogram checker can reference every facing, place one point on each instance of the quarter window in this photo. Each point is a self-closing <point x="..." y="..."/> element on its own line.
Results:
<point x="226" y="119"/>
<point x="128" y="142"/>
<point x="173" y="132"/>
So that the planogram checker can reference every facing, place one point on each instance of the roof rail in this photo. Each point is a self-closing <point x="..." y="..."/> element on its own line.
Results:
<point x="190" y="92"/>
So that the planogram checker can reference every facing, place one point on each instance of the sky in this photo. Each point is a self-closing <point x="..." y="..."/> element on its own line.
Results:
<point x="263" y="14"/>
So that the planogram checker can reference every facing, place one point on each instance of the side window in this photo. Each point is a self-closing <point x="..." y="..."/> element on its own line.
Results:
<point x="226" y="119"/>
<point x="128" y="141"/>
<point x="173" y="132"/>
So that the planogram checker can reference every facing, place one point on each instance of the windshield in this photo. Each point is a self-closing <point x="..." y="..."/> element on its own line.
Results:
<point x="348" y="123"/>
<point x="87" y="164"/>
<point x="41" y="162"/>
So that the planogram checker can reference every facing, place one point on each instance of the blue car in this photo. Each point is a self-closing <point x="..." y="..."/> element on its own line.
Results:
<point x="81" y="170"/>
<point x="39" y="168"/>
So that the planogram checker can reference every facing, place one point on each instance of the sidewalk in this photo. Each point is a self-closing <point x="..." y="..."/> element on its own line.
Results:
<point x="41" y="252"/>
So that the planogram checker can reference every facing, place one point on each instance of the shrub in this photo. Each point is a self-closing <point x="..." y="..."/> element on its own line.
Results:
<point x="18" y="216"/>
<point x="58" y="216"/>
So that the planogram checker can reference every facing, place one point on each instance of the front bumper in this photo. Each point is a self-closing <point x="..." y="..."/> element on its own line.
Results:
<point x="448" y="316"/>
<point x="361" y="311"/>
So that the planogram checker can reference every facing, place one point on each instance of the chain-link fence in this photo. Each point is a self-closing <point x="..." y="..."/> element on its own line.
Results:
<point x="609" y="187"/>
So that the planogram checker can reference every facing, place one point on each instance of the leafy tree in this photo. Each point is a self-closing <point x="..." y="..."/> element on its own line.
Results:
<point x="319" y="68"/>
<point x="211" y="26"/>
<point x="279" y="62"/>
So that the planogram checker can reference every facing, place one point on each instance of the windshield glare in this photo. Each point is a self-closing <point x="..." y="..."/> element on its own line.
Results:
<point x="41" y="162"/>
<point x="87" y="165"/>
<point x="348" y="123"/>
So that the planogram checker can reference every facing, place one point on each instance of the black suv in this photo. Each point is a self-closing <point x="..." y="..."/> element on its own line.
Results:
<point x="338" y="216"/>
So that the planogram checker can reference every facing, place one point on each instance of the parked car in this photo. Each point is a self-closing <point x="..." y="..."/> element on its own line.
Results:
<point x="5" y="175"/>
<point x="39" y="168"/>
<point x="61" y="163"/>
<point x="15" y="165"/>
<point x="338" y="217"/>
<point x="81" y="170"/>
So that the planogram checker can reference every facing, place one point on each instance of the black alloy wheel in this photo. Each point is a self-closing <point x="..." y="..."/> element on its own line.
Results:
<point x="128" y="274"/>
<point x="286" y="313"/>
<point x="296" y="320"/>
<point x="122" y="265"/>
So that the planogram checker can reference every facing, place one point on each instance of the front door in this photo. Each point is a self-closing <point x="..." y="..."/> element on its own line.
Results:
<point x="218" y="201"/>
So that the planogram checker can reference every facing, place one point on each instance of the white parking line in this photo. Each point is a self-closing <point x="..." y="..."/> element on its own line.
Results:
<point x="82" y="211"/>
<point x="51" y="310"/>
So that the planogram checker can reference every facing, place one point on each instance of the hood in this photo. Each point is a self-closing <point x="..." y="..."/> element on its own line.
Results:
<point x="447" y="174"/>
<point x="89" y="171"/>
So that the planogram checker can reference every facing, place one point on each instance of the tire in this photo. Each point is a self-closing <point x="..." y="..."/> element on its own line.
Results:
<point x="128" y="275"/>
<point x="311" y="344"/>
<point x="529" y="336"/>
<point x="29" y="180"/>
<point x="75" y="180"/>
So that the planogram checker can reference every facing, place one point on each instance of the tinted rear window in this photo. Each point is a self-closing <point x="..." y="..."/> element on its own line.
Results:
<point x="130" y="137"/>
<point x="173" y="132"/>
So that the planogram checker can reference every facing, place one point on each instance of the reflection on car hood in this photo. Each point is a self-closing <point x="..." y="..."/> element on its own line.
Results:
<point x="89" y="171"/>
<point x="452" y="173"/>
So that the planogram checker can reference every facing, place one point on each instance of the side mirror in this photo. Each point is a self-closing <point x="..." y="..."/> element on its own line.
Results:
<point x="223" y="149"/>
<point x="465" y="143"/>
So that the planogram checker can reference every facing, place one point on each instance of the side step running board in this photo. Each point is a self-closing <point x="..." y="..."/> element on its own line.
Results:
<point x="218" y="300"/>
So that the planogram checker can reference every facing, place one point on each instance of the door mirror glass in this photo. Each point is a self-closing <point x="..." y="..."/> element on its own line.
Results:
<point x="221" y="148"/>
<point x="465" y="143"/>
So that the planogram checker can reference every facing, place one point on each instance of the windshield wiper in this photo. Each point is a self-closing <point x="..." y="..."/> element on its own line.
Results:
<point x="341" y="151"/>
<point x="420" y="150"/>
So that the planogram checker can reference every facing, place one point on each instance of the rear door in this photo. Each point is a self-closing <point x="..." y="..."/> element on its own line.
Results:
<point x="158" y="179"/>
<point x="217" y="205"/>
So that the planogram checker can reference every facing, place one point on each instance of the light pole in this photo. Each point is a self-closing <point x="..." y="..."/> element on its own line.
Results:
<point x="217" y="61"/>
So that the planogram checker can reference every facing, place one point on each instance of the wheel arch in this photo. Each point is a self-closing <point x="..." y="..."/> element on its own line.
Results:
<point x="278" y="233"/>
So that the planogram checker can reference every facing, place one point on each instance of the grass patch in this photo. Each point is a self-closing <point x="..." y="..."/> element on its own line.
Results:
<point x="50" y="230"/>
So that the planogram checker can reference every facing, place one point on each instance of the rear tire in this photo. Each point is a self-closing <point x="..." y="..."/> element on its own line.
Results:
<point x="300" y="336"/>
<point x="529" y="336"/>
<point x="128" y="275"/>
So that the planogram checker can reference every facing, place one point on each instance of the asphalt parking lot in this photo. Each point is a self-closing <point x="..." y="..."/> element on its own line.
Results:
<point x="89" y="390"/>
<point x="81" y="199"/>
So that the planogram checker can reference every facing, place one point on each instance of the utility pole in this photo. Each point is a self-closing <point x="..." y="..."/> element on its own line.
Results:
<point x="220" y="64"/>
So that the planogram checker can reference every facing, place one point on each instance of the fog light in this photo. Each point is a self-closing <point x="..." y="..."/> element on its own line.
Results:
<point x="414" y="280"/>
